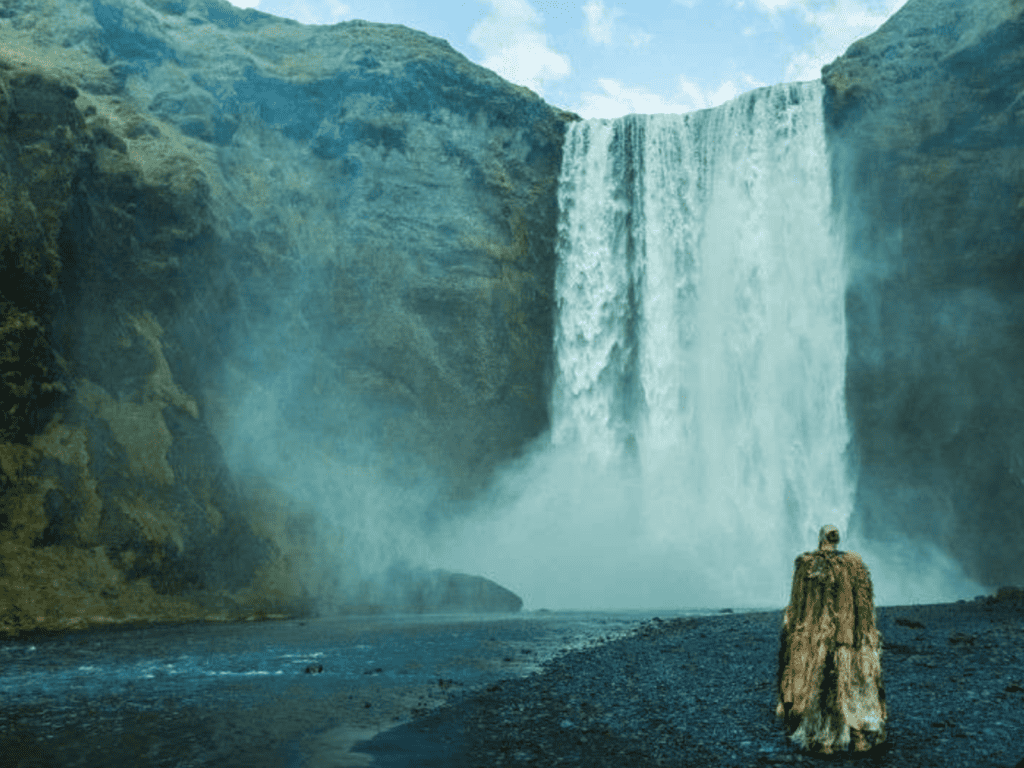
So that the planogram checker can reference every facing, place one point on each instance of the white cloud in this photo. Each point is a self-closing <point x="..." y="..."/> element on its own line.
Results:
<point x="887" y="7"/>
<point x="306" y="11"/>
<point x="515" y="46"/>
<point x="774" y="5"/>
<point x="617" y="100"/>
<point x="639" y="38"/>
<point x="704" y="98"/>
<point x="807" y="66"/>
<point x="839" y="24"/>
<point x="749" y="31"/>
<point x="600" y="21"/>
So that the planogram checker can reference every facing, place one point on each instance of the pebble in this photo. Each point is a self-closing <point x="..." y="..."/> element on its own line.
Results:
<point x="700" y="692"/>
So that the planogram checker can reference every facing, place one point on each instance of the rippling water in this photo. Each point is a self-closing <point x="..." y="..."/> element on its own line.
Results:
<point x="239" y="694"/>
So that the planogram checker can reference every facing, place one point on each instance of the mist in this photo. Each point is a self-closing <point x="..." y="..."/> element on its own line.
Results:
<point x="346" y="501"/>
<point x="699" y="435"/>
<point x="566" y="532"/>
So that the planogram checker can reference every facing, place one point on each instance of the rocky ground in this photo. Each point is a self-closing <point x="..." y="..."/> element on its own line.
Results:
<point x="700" y="692"/>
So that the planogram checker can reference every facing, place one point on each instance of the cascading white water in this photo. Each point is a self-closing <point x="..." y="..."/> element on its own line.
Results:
<point x="701" y="329"/>
<point x="699" y="429"/>
<point x="699" y="432"/>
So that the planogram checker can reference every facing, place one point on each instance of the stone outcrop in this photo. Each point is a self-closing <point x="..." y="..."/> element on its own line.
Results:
<point x="235" y="247"/>
<point x="926" y="129"/>
<point x="436" y="591"/>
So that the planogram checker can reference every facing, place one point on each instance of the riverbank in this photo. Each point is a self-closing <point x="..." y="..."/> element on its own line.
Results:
<point x="272" y="694"/>
<point x="535" y="689"/>
<point x="700" y="692"/>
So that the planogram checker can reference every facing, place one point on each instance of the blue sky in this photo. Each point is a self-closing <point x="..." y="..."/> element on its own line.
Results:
<point x="601" y="58"/>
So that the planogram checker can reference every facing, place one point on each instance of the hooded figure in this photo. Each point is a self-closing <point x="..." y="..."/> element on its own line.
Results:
<point x="830" y="672"/>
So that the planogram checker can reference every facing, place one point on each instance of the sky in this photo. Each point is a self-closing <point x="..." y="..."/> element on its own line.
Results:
<point x="608" y="59"/>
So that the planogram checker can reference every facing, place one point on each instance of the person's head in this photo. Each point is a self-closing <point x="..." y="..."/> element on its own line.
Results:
<point x="828" y="538"/>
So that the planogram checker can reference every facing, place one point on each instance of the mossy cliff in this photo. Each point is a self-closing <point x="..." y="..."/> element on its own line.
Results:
<point x="228" y="240"/>
<point x="925" y="122"/>
<point x="274" y="299"/>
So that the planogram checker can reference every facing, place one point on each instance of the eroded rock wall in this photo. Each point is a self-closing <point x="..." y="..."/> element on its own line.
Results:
<point x="926" y="128"/>
<point x="116" y="503"/>
<point x="239" y="252"/>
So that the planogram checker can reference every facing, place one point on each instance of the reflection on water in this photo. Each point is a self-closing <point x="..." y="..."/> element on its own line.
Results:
<point x="227" y="694"/>
<point x="110" y="661"/>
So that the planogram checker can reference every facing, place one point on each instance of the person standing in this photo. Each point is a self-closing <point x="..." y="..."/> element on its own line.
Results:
<point x="830" y="691"/>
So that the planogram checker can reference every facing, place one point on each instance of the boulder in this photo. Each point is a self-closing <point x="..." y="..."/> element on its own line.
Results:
<point x="925" y="122"/>
<point x="419" y="590"/>
<point x="1008" y="595"/>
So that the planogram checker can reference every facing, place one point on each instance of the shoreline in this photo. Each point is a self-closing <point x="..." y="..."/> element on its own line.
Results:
<point x="588" y="689"/>
<point x="273" y="694"/>
<point x="700" y="691"/>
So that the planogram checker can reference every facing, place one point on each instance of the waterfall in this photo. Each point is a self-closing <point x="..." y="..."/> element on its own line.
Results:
<point x="698" y="417"/>
<point x="701" y="329"/>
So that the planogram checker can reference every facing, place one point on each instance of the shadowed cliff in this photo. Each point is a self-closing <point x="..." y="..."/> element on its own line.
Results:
<point x="236" y="250"/>
<point x="926" y="130"/>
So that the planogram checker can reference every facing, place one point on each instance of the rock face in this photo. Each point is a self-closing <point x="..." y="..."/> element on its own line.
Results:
<point x="926" y="127"/>
<point x="236" y="247"/>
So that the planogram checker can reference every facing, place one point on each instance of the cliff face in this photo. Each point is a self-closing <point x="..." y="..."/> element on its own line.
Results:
<point x="234" y="247"/>
<point x="926" y="127"/>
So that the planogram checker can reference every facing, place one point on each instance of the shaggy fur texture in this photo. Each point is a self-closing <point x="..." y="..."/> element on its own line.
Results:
<point x="830" y="673"/>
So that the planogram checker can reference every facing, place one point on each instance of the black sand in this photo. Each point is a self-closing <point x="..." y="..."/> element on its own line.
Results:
<point x="700" y="692"/>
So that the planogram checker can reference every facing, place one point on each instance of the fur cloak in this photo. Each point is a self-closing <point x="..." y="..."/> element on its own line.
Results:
<point x="830" y="671"/>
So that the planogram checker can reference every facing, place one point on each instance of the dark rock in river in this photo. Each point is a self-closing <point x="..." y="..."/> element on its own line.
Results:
<point x="1008" y="595"/>
<point x="438" y="591"/>
<point x="926" y="130"/>
<point x="213" y="219"/>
